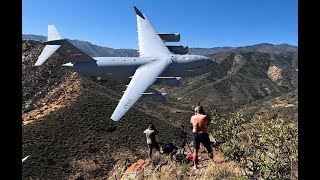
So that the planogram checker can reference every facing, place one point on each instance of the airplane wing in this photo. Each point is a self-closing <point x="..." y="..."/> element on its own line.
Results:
<point x="144" y="77"/>
<point x="150" y="43"/>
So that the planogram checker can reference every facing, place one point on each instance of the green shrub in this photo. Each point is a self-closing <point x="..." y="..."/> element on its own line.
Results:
<point x="264" y="147"/>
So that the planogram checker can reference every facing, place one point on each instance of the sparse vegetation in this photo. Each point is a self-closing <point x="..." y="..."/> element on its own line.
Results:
<point x="264" y="147"/>
<point x="173" y="170"/>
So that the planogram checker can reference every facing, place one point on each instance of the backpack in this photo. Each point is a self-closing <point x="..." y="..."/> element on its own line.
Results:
<point x="168" y="148"/>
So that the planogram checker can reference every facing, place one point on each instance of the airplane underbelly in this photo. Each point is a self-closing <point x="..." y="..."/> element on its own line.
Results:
<point x="106" y="73"/>
<point x="116" y="73"/>
<point x="180" y="70"/>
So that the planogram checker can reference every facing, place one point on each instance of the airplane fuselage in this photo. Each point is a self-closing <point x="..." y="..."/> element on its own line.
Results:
<point x="121" y="68"/>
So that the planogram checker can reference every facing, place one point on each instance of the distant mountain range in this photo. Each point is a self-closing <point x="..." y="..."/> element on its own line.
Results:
<point x="90" y="49"/>
<point x="96" y="51"/>
<point x="263" y="48"/>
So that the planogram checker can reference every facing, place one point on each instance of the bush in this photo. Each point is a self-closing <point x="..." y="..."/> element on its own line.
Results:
<point x="264" y="147"/>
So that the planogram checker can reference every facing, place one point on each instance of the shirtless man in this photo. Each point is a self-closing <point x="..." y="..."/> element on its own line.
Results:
<point x="199" y="123"/>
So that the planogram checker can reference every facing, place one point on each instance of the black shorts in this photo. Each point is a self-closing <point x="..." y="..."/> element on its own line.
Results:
<point x="204" y="139"/>
<point x="155" y="145"/>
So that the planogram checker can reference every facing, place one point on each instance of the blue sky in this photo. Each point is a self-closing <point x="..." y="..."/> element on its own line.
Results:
<point x="201" y="23"/>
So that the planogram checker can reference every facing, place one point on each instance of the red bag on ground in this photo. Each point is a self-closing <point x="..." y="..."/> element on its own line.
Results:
<point x="189" y="156"/>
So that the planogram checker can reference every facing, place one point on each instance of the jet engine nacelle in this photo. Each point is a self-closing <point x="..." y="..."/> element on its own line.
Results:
<point x="170" y="37"/>
<point x="178" y="49"/>
<point x="176" y="81"/>
<point x="157" y="97"/>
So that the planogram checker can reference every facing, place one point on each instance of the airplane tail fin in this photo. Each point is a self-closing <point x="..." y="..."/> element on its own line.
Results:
<point x="53" y="33"/>
<point x="56" y="43"/>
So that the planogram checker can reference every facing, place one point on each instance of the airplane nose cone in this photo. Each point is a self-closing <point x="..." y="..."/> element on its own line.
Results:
<point x="69" y="65"/>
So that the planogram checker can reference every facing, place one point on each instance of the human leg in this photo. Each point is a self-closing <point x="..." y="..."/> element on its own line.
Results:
<point x="207" y="144"/>
<point x="156" y="145"/>
<point x="195" y="158"/>
<point x="196" y="145"/>
<point x="150" y="150"/>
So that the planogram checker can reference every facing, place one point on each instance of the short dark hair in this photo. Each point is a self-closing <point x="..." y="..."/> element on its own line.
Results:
<point x="199" y="109"/>
<point x="151" y="126"/>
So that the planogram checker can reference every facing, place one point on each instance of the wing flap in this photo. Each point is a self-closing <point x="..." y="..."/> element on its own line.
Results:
<point x="46" y="53"/>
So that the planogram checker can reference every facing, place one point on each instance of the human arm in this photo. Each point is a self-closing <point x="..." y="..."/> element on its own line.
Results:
<point x="191" y="123"/>
<point x="208" y="120"/>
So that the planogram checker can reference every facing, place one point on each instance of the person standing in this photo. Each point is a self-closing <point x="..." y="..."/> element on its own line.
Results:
<point x="151" y="133"/>
<point x="199" y="122"/>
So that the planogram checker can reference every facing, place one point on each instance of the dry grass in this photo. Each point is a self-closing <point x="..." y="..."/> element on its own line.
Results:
<point x="84" y="168"/>
<point x="165" y="168"/>
<point x="221" y="171"/>
<point x="85" y="165"/>
<point x="210" y="171"/>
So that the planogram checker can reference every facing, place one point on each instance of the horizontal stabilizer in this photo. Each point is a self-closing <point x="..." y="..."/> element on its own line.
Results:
<point x="46" y="53"/>
<point x="56" y="43"/>
<point x="25" y="158"/>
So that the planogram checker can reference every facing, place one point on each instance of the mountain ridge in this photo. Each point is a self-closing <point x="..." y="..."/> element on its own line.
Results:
<point x="96" y="50"/>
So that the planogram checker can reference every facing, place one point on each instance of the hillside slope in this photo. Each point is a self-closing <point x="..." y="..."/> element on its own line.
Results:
<point x="285" y="105"/>
<point x="67" y="127"/>
<point x="241" y="78"/>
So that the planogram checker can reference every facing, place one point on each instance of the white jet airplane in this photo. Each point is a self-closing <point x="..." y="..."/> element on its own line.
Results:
<point x="156" y="61"/>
